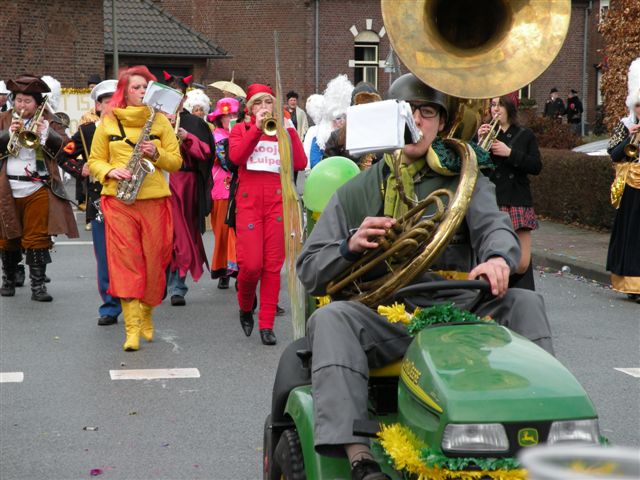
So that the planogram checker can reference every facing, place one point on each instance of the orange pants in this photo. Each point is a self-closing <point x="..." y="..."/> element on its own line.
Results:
<point x="139" y="245"/>
<point x="223" y="260"/>
<point x="33" y="212"/>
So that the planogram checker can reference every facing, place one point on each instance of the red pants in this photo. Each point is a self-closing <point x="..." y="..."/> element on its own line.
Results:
<point x="139" y="246"/>
<point x="259" y="247"/>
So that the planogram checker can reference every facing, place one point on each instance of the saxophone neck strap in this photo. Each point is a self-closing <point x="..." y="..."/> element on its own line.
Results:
<point x="123" y="136"/>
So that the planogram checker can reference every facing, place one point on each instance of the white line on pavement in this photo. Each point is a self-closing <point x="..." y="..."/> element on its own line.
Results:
<point x="154" y="373"/>
<point x="11" y="377"/>
<point x="72" y="243"/>
<point x="634" y="372"/>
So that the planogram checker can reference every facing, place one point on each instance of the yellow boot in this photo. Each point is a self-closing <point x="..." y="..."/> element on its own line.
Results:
<point x="146" y="321"/>
<point x="131" y="313"/>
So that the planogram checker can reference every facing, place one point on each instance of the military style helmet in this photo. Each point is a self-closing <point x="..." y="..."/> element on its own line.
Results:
<point x="408" y="87"/>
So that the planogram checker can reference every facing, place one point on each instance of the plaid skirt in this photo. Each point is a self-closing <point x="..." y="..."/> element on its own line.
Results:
<point x="522" y="218"/>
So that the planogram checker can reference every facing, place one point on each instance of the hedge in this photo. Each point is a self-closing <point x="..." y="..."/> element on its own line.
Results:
<point x="574" y="188"/>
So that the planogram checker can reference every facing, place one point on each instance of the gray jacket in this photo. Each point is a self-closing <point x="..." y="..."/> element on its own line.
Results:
<point x="486" y="232"/>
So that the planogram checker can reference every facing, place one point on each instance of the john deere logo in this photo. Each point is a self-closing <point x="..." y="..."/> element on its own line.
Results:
<point x="527" y="437"/>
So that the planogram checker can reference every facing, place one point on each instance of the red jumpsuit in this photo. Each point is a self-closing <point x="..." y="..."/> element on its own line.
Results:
<point x="259" y="217"/>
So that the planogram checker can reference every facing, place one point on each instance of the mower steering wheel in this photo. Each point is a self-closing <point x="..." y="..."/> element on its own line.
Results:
<point x="405" y="294"/>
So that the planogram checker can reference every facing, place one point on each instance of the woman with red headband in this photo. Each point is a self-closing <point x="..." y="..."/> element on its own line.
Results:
<point x="259" y="216"/>
<point x="139" y="236"/>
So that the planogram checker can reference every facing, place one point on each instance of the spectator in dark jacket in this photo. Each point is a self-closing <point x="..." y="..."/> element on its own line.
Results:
<point x="574" y="111"/>
<point x="554" y="107"/>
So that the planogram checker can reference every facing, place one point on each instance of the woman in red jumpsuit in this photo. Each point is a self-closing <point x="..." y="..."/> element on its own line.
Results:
<point x="259" y="217"/>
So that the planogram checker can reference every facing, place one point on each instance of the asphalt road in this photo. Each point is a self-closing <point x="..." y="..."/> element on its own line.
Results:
<point x="68" y="417"/>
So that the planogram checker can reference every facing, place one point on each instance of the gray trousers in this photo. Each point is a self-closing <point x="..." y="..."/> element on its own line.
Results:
<point x="347" y="338"/>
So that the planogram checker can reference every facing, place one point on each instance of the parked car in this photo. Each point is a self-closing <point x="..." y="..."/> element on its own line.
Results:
<point x="597" y="148"/>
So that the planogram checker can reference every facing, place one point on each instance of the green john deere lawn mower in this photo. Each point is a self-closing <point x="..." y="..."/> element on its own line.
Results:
<point x="466" y="397"/>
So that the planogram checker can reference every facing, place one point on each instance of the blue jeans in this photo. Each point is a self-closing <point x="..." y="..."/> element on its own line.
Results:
<point x="176" y="285"/>
<point x="111" y="305"/>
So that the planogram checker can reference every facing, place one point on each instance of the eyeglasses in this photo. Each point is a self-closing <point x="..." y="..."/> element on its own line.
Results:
<point x="426" y="110"/>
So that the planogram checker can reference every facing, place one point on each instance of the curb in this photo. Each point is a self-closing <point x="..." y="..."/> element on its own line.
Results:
<point x="583" y="268"/>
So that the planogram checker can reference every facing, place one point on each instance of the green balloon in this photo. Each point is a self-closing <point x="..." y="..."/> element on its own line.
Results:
<point x="325" y="178"/>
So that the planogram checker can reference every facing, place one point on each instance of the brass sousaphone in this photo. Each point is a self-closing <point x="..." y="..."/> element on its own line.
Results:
<point x="470" y="50"/>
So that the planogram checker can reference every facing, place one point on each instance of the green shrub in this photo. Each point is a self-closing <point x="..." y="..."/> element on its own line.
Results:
<point x="574" y="188"/>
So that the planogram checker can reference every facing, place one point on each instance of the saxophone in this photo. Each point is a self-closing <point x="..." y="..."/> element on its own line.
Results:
<point x="128" y="190"/>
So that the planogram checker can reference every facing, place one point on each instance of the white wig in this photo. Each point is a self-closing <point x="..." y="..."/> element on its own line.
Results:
<point x="199" y="98"/>
<point x="315" y="107"/>
<point x="55" y="94"/>
<point x="633" y="96"/>
<point x="337" y="98"/>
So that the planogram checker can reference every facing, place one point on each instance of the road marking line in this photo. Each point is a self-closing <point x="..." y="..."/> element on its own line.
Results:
<point x="634" y="372"/>
<point x="73" y="243"/>
<point x="11" y="377"/>
<point x="154" y="373"/>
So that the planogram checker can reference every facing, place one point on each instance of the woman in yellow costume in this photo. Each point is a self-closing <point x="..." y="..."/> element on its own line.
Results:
<point x="139" y="235"/>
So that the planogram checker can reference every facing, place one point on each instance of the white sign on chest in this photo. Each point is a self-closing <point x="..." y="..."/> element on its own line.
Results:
<point x="265" y="157"/>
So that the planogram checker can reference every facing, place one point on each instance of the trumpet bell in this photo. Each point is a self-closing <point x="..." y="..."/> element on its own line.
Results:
<point x="28" y="139"/>
<point x="472" y="49"/>
<point x="270" y="126"/>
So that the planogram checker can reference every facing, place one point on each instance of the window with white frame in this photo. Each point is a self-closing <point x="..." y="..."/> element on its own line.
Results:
<point x="599" y="85"/>
<point x="367" y="58"/>
<point x="604" y="9"/>
<point x="525" y="92"/>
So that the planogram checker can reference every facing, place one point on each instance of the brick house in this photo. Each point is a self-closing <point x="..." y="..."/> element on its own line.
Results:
<point x="318" y="39"/>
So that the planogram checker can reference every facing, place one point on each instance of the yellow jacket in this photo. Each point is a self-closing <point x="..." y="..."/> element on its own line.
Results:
<point x="107" y="155"/>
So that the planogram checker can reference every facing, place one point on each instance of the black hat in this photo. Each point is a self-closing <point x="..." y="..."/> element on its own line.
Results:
<point x="28" y="84"/>
<point x="95" y="79"/>
<point x="554" y="90"/>
<point x="292" y="94"/>
<point x="574" y="91"/>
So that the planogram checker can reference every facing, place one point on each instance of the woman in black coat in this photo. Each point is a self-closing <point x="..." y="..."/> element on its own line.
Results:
<point x="516" y="155"/>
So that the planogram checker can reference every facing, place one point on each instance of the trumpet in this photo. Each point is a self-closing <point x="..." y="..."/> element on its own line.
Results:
<point x="489" y="137"/>
<point x="269" y="125"/>
<point x="631" y="148"/>
<point x="27" y="137"/>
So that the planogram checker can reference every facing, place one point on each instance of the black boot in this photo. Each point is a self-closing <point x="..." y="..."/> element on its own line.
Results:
<point x="37" y="260"/>
<point x="246" y="322"/>
<point x="10" y="261"/>
<point x="367" y="469"/>
<point x="20" y="275"/>
<point x="267" y="336"/>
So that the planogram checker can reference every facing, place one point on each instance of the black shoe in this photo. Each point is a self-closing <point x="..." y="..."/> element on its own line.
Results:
<point x="246" y="322"/>
<point x="367" y="469"/>
<point x="634" y="297"/>
<point x="223" y="283"/>
<point x="267" y="336"/>
<point x="279" y="311"/>
<point x="177" y="300"/>
<point x="107" y="320"/>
